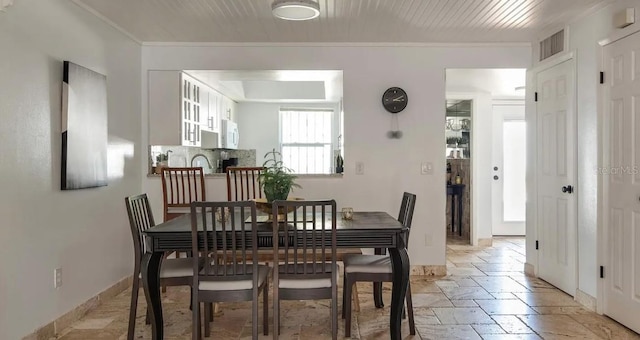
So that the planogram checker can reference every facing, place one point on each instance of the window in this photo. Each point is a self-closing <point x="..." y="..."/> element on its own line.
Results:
<point x="305" y="138"/>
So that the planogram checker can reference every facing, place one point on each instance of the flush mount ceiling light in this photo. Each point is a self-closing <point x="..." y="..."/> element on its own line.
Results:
<point x="295" y="9"/>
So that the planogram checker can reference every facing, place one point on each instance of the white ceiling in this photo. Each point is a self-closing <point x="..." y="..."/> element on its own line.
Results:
<point x="369" y="21"/>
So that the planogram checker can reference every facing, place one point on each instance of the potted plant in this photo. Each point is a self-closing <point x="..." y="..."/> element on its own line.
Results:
<point x="161" y="162"/>
<point x="276" y="180"/>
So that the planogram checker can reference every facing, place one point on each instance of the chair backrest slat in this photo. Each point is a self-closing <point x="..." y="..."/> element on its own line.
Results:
<point x="180" y="187"/>
<point x="242" y="183"/>
<point x="405" y="216"/>
<point x="306" y="234"/>
<point x="140" y="219"/>
<point x="226" y="231"/>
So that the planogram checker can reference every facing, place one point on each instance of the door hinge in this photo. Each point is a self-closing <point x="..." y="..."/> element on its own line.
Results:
<point x="536" y="244"/>
<point x="602" y="272"/>
<point x="601" y="77"/>
<point x="535" y="96"/>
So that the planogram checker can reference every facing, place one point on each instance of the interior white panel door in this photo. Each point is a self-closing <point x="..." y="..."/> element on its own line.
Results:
<point x="622" y="181"/>
<point x="556" y="171"/>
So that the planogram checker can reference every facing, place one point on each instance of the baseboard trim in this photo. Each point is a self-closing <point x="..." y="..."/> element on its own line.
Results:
<point x="485" y="242"/>
<point x="53" y="328"/>
<point x="586" y="300"/>
<point x="431" y="270"/>
<point x="529" y="269"/>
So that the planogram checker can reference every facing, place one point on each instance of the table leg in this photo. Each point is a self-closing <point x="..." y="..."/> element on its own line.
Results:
<point x="453" y="213"/>
<point x="400" y="266"/>
<point x="460" y="206"/>
<point x="151" y="282"/>
<point x="377" y="295"/>
<point x="377" y="286"/>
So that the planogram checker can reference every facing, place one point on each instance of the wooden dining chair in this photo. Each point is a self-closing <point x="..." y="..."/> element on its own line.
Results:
<point x="180" y="187"/>
<point x="307" y="269"/>
<point x="242" y="183"/>
<point x="376" y="268"/>
<point x="220" y="230"/>
<point x="173" y="272"/>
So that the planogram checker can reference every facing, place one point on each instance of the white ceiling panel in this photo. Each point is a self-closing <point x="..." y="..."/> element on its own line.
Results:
<point x="369" y="21"/>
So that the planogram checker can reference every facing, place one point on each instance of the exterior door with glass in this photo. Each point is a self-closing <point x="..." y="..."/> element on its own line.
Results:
<point x="509" y="167"/>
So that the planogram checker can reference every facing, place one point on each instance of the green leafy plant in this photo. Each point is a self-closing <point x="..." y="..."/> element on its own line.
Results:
<point x="162" y="157"/>
<point x="276" y="180"/>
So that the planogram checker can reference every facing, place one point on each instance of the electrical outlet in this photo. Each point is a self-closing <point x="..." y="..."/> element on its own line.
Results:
<point x="359" y="168"/>
<point x="428" y="241"/>
<point x="57" y="278"/>
<point x="426" y="168"/>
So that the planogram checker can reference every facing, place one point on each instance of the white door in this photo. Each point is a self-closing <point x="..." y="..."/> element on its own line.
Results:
<point x="622" y="181"/>
<point x="509" y="169"/>
<point x="556" y="176"/>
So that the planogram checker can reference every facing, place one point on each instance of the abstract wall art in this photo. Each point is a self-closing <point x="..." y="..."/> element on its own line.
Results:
<point x="84" y="128"/>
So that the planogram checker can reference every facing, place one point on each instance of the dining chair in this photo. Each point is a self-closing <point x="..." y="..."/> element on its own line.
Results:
<point x="227" y="233"/>
<point x="242" y="183"/>
<point x="306" y="233"/>
<point x="180" y="187"/>
<point x="376" y="268"/>
<point x="173" y="272"/>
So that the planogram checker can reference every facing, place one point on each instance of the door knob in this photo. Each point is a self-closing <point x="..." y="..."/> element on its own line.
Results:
<point x="567" y="189"/>
<point x="495" y="178"/>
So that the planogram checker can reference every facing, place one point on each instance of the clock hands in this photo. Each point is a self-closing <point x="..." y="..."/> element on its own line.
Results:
<point x="398" y="99"/>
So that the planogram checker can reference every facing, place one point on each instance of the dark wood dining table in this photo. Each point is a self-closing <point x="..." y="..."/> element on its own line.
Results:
<point x="377" y="230"/>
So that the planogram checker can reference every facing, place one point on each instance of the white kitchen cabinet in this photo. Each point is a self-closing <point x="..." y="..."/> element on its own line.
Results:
<point x="211" y="121"/>
<point x="191" y="96"/>
<point x="228" y="108"/>
<point x="181" y="107"/>
<point x="175" y="108"/>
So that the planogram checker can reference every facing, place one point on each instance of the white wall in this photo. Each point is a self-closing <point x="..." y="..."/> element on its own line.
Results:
<point x="84" y="232"/>
<point x="391" y="166"/>
<point x="259" y="125"/>
<point x="584" y="35"/>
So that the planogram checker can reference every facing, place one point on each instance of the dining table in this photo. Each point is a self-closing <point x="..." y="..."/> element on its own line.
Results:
<point x="366" y="229"/>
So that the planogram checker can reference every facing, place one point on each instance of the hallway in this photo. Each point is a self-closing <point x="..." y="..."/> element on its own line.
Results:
<point x="484" y="296"/>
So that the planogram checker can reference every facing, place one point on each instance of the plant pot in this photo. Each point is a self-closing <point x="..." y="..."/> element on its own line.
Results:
<point x="159" y="166"/>
<point x="276" y="193"/>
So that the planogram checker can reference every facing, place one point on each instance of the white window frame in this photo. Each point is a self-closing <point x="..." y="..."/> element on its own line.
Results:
<point x="332" y="133"/>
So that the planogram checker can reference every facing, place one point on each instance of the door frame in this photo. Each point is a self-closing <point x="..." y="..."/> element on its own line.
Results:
<point x="474" y="216"/>
<point x="603" y="186"/>
<point x="531" y="267"/>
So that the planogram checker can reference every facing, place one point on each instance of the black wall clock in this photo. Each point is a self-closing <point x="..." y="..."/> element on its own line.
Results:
<point x="394" y="99"/>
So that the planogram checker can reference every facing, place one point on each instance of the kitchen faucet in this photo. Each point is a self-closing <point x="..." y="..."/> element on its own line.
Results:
<point x="205" y="157"/>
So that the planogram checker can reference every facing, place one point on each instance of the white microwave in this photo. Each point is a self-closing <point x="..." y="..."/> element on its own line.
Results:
<point x="230" y="135"/>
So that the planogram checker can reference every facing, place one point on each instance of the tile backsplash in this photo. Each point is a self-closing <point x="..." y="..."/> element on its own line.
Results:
<point x="183" y="156"/>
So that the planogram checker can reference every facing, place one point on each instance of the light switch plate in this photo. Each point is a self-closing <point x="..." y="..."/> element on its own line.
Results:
<point x="426" y="168"/>
<point x="57" y="278"/>
<point x="359" y="168"/>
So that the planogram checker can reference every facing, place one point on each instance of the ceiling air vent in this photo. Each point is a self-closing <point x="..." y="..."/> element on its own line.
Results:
<point x="552" y="45"/>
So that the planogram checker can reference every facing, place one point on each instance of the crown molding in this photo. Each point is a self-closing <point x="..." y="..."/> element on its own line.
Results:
<point x="80" y="4"/>
<point x="332" y="44"/>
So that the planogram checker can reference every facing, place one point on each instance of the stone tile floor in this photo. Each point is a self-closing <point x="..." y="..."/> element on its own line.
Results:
<point x="484" y="296"/>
